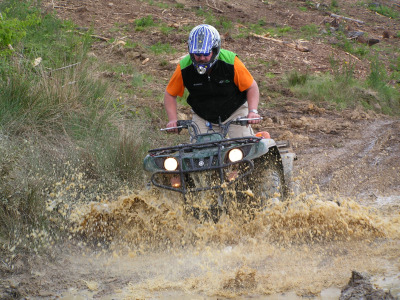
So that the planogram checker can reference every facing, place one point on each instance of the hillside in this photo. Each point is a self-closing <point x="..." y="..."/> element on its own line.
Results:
<point x="316" y="64"/>
<point x="304" y="38"/>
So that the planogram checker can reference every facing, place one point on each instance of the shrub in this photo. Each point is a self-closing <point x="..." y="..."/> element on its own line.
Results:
<point x="12" y="30"/>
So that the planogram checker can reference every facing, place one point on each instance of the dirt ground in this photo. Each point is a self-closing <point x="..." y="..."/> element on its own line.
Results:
<point x="351" y="153"/>
<point x="329" y="144"/>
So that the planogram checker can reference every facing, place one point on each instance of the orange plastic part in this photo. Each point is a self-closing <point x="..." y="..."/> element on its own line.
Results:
<point x="263" y="134"/>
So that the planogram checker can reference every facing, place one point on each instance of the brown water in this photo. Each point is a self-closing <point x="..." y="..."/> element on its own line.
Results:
<point x="147" y="247"/>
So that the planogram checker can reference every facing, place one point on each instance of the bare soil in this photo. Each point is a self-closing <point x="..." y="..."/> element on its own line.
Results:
<point x="350" y="153"/>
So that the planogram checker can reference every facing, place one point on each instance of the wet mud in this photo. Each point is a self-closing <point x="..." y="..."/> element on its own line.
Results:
<point x="146" y="245"/>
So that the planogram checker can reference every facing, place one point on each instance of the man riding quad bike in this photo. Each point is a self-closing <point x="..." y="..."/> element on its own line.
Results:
<point x="224" y="98"/>
<point x="249" y="170"/>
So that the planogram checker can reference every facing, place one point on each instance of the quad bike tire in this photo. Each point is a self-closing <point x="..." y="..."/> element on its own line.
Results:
<point x="213" y="213"/>
<point x="267" y="182"/>
<point x="208" y="211"/>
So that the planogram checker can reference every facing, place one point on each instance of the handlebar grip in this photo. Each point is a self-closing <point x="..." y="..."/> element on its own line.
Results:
<point x="244" y="121"/>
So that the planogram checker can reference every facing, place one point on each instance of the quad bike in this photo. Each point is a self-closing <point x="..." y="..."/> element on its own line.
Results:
<point x="252" y="170"/>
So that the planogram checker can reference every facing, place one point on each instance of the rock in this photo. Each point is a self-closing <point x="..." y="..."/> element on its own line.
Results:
<point x="372" y="42"/>
<point x="133" y="55"/>
<point x="360" y="287"/>
<point x="354" y="34"/>
<point x="386" y="34"/>
<point x="369" y="42"/>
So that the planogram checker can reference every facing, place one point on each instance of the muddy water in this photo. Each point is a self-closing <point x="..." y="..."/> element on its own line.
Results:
<point x="147" y="247"/>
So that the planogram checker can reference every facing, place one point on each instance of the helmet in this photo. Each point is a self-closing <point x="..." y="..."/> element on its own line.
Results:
<point x="204" y="39"/>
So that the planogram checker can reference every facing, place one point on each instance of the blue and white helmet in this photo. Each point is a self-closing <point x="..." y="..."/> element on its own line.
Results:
<point x="204" y="39"/>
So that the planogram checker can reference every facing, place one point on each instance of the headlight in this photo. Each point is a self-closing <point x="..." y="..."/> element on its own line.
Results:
<point x="170" y="164"/>
<point x="235" y="155"/>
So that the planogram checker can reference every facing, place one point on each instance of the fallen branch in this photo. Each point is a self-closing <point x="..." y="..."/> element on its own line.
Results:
<point x="213" y="7"/>
<point x="291" y="45"/>
<point x="355" y="57"/>
<point x="66" y="67"/>
<point x="95" y="36"/>
<point x="65" y="7"/>
<point x="100" y="38"/>
<point x="346" y="18"/>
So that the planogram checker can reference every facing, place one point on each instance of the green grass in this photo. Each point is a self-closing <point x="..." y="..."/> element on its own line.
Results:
<point x="341" y="90"/>
<point x="334" y="6"/>
<point x="143" y="23"/>
<point x="389" y="97"/>
<point x="161" y="48"/>
<point x="352" y="47"/>
<point x="384" y="10"/>
<point x="165" y="29"/>
<point x="309" y="31"/>
<point x="395" y="68"/>
<point x="260" y="28"/>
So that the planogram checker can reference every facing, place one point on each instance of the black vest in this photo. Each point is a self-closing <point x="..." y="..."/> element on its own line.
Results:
<point x="213" y="96"/>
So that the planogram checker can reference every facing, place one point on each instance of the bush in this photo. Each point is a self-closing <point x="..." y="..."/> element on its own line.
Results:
<point x="389" y="97"/>
<point x="12" y="30"/>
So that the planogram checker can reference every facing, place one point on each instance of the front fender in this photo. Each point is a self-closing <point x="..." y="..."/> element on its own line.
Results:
<point x="261" y="148"/>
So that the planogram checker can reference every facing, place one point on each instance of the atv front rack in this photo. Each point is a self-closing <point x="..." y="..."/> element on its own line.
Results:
<point x="190" y="147"/>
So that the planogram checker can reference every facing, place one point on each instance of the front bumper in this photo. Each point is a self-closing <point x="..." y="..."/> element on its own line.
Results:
<point x="206" y="178"/>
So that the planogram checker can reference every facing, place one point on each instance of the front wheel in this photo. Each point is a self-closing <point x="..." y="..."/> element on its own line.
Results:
<point x="267" y="182"/>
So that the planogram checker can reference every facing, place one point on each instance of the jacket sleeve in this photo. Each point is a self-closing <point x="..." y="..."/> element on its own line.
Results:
<point x="175" y="86"/>
<point x="243" y="79"/>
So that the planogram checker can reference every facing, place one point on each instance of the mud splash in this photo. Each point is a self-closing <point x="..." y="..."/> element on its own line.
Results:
<point x="304" y="246"/>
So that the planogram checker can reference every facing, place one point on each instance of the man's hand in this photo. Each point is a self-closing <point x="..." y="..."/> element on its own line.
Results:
<point x="252" y="115"/>
<point x="172" y="124"/>
<point x="171" y="108"/>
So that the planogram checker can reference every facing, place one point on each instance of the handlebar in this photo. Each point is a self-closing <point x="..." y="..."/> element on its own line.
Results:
<point x="189" y="124"/>
<point x="181" y="124"/>
<point x="242" y="121"/>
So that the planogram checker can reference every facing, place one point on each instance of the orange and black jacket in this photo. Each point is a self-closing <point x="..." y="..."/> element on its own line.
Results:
<point x="213" y="96"/>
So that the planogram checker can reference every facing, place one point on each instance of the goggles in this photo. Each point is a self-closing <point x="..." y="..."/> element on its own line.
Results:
<point x="202" y="54"/>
